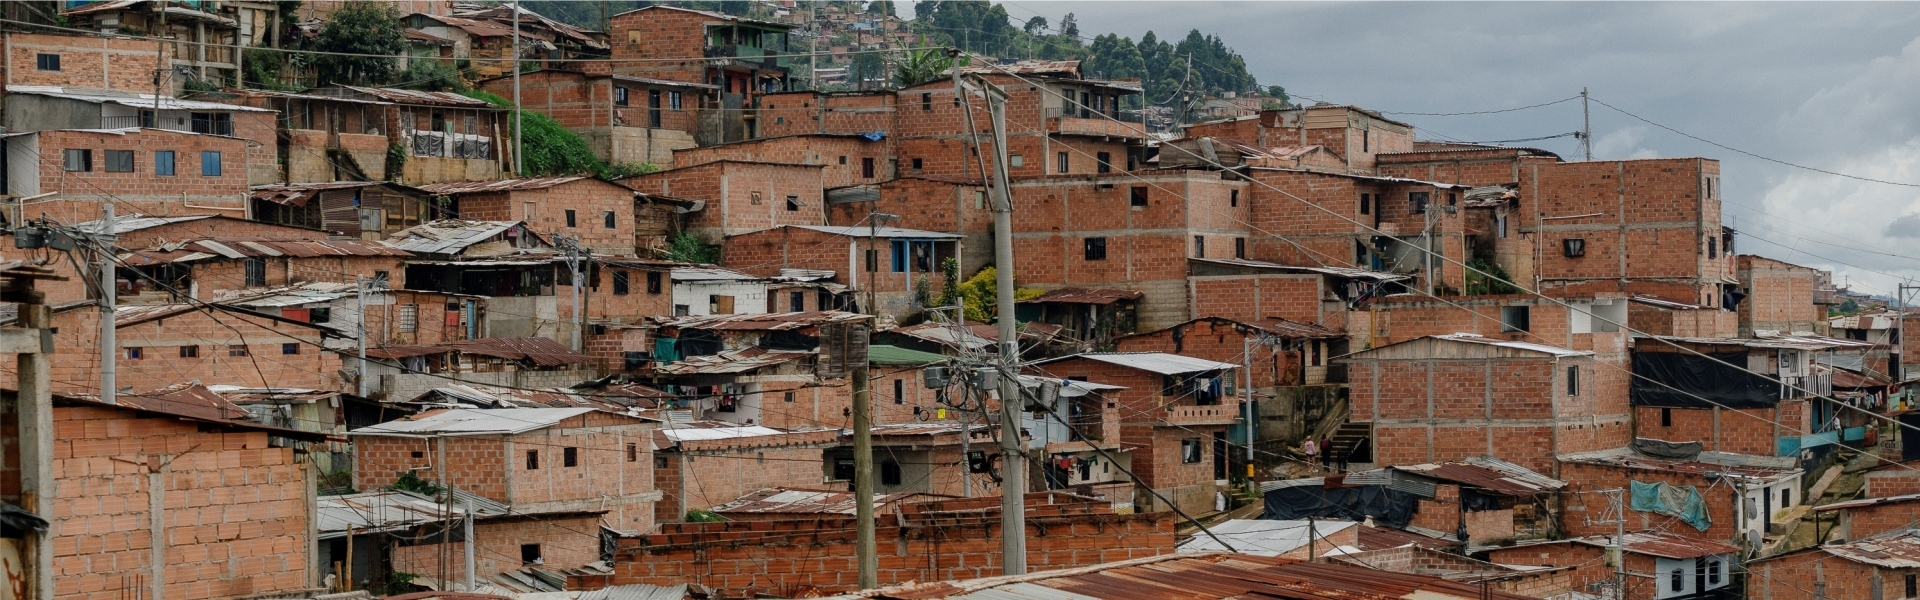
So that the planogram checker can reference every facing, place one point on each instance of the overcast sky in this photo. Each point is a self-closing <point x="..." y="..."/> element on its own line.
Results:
<point x="1834" y="86"/>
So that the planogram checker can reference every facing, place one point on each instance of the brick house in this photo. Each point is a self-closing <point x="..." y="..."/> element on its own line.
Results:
<point x="738" y="196"/>
<point x="908" y="256"/>
<point x="148" y="171"/>
<point x="1742" y="495"/>
<point x="1463" y="164"/>
<point x="784" y="114"/>
<point x="1357" y="135"/>
<point x="80" y="61"/>
<point x="1318" y="218"/>
<point x="1654" y="316"/>
<point x="758" y="369"/>
<point x="791" y="504"/>
<point x="1454" y="396"/>
<point x="369" y="210"/>
<point x="1871" y="516"/>
<point x="703" y="290"/>
<point x="393" y="316"/>
<point x="1292" y="365"/>
<point x="32" y="108"/>
<point x="535" y="461"/>
<point x="321" y="138"/>
<point x="1706" y="569"/>
<point x="1075" y="431"/>
<point x="526" y="282"/>
<point x="1779" y="296"/>
<point x="1251" y="290"/>
<point x="702" y="465"/>
<point x="446" y="136"/>
<point x="1174" y="415"/>
<point x="1059" y="122"/>
<point x="600" y="214"/>
<point x="1667" y="242"/>
<point x="850" y="159"/>
<point x="1878" y="567"/>
<point x="1483" y="501"/>
<point x="232" y="515"/>
<point x="399" y="373"/>
<point x="958" y="206"/>
<point x="208" y="41"/>
<point x="161" y="345"/>
<point x="1699" y="389"/>
<point x="623" y="118"/>
<point x="201" y="269"/>
<point x="672" y="43"/>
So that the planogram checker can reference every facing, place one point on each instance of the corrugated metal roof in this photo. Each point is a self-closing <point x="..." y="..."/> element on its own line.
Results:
<point x="1067" y="68"/>
<point x="298" y="194"/>
<point x="1474" y="338"/>
<point x="1786" y="342"/>
<point x="709" y="273"/>
<point x="1901" y="499"/>
<point x="1153" y="362"/>
<point x="665" y="82"/>
<point x="882" y="354"/>
<point x="543" y="352"/>
<point x="1898" y="550"/>
<point x="133" y="223"/>
<point x="1085" y="296"/>
<point x="1068" y="388"/>
<point x="880" y="232"/>
<point x="1261" y="537"/>
<point x="259" y="395"/>
<point x="495" y="185"/>
<point x="1666" y="304"/>
<point x="386" y="511"/>
<point x="474" y="421"/>
<point x="683" y="433"/>
<point x="294" y="295"/>
<point x="135" y="100"/>
<point x="1762" y="468"/>
<point x="1348" y="272"/>
<point x="400" y="96"/>
<point x="787" y="321"/>
<point x="638" y="591"/>
<point x="454" y="236"/>
<point x="1493" y="480"/>
<point x="728" y="362"/>
<point x="233" y="248"/>
<point x="801" y="501"/>
<point x="1202" y="576"/>
<point x="972" y="336"/>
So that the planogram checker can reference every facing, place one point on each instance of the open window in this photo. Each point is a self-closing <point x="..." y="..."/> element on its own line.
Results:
<point x="1516" y="318"/>
<point x="1573" y="247"/>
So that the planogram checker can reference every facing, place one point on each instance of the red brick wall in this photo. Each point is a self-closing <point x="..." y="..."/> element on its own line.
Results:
<point x="842" y="155"/>
<point x="1255" y="297"/>
<point x="1779" y="296"/>
<point x="81" y="193"/>
<point x="589" y="199"/>
<point x="1665" y="249"/>
<point x="796" y="113"/>
<point x="1799" y="574"/>
<point x="1143" y="430"/>
<point x="1865" y="521"/>
<point x="787" y="557"/>
<point x="1893" y="482"/>
<point x="1582" y="503"/>
<point x="577" y="100"/>
<point x="1742" y="431"/>
<point x="161" y="364"/>
<point x="1588" y="562"/>
<point x="660" y="34"/>
<point x="1463" y="167"/>
<point x="566" y="542"/>
<point x="705" y="478"/>
<point x="729" y="189"/>
<point x="1219" y="342"/>
<point x="85" y="61"/>
<point x="235" y="514"/>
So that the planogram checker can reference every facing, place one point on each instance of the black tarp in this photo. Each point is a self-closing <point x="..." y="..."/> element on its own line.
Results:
<point x="1674" y="379"/>
<point x="1388" y="507"/>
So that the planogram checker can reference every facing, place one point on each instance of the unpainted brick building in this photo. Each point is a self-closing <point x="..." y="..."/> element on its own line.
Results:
<point x="1355" y="134"/>
<point x="623" y="118"/>
<point x="958" y="206"/>
<point x="1639" y="226"/>
<point x="599" y="213"/>
<point x="881" y="265"/>
<point x="81" y="61"/>
<point x="675" y="44"/>
<point x="700" y="468"/>
<point x="1743" y="495"/>
<point x="1328" y="219"/>
<point x="75" y="173"/>
<point x="849" y="159"/>
<point x="1862" y="570"/>
<point x="1651" y="556"/>
<point x="1779" y="296"/>
<point x="1872" y="516"/>
<point x="740" y="196"/>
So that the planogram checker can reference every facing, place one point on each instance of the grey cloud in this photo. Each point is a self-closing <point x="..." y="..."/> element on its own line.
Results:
<point x="1903" y="227"/>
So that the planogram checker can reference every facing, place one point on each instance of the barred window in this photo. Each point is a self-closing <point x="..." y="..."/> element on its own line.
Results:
<point x="409" y="318"/>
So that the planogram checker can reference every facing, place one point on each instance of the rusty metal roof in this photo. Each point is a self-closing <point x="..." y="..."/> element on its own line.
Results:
<point x="266" y="395"/>
<point x="401" y="96"/>
<point x="473" y="421"/>
<point x="1662" y="544"/>
<point x="544" y="352"/>
<point x="1085" y="296"/>
<point x="237" y="248"/>
<point x="1864" y="502"/>
<point x="1805" y="341"/>
<point x="1154" y="362"/>
<point x="1203" y="576"/>
<point x="1899" y="550"/>
<point x="1499" y="477"/>
<point x="298" y="194"/>
<point x="1381" y="538"/>
<point x="1069" y="68"/>
<point x="1763" y="468"/>
<point x="731" y="361"/>
<point x="787" y="321"/>
<point x="807" y="502"/>
<point x="453" y="236"/>
<point x="497" y="185"/>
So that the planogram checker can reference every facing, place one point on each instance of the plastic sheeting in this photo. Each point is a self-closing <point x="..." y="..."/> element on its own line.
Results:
<point x="1679" y="380"/>
<point x="1388" y="507"/>
<point x="1672" y="500"/>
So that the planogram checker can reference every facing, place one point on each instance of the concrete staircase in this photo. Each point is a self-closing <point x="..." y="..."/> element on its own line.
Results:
<point x="1348" y="435"/>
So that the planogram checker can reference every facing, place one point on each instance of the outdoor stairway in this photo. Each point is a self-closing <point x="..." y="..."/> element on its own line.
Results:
<point x="1349" y="434"/>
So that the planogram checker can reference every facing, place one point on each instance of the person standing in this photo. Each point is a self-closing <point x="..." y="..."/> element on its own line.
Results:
<point x="1312" y="450"/>
<point x="1326" y="453"/>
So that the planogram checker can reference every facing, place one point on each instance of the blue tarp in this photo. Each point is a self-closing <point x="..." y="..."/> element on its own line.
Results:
<point x="875" y="136"/>
<point x="1672" y="500"/>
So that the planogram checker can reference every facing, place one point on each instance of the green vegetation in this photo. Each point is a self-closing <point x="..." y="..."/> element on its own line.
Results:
<point x="950" y="281"/>
<point x="704" y="516"/>
<point x="410" y="482"/>
<point x="553" y="150"/>
<point x="360" y="27"/>
<point x="980" y="292"/>
<point x="1478" y="284"/>
<point x="431" y="75"/>
<point x="688" y="249"/>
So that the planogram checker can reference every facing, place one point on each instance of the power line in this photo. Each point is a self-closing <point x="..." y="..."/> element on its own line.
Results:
<point x="1765" y="158"/>
<point x="1480" y="112"/>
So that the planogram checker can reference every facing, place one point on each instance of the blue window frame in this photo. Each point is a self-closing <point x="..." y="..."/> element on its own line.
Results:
<point x="163" y="162"/>
<point x="210" y="163"/>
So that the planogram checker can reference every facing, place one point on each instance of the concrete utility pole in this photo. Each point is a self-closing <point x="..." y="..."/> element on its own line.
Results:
<point x="360" y="293"/>
<point x="1586" y="127"/>
<point x="469" y="538"/>
<point x="109" y="349"/>
<point x="865" y="544"/>
<point x="1246" y="358"/>
<point x="1895" y="367"/>
<point x="1013" y="464"/>
<point x="32" y="348"/>
<point x="519" y="161"/>
<point x="576" y="256"/>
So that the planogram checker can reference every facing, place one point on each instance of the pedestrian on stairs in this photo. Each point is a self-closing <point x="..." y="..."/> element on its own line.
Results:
<point x="1312" y="450"/>
<point x="1326" y="452"/>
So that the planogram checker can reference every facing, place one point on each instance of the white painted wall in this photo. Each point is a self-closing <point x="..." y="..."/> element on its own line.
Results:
<point x="749" y="297"/>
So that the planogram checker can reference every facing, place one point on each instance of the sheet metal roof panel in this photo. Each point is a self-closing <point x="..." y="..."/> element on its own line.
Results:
<point x="1898" y="551"/>
<point x="400" y="96"/>
<point x="880" y="232"/>
<point x="474" y="421"/>
<point x="1262" y="537"/>
<point x="1153" y="362"/>
<point x="1485" y="478"/>
<point x="709" y="273"/>
<point x="682" y="434"/>
<point x="496" y="185"/>
<point x="133" y="223"/>
<point x="882" y="354"/>
<point x="449" y="236"/>
<point x="131" y="99"/>
<point x="1086" y="296"/>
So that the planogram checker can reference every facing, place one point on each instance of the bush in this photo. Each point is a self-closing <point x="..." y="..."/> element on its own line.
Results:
<point x="704" y="516"/>
<point x="553" y="150"/>
<point x="1478" y="284"/>
<point x="431" y="75"/>
<point x="688" y="249"/>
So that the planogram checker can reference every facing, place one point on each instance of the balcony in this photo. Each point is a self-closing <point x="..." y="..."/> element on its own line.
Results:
<point x="1187" y="414"/>
<point x="749" y="56"/>
<point x="1088" y="122"/>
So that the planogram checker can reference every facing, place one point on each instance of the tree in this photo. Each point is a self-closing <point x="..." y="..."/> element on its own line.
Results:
<point x="921" y="66"/>
<point x="1069" y="26"/>
<point x="882" y="8"/>
<point x="1279" y="94"/>
<point x="1035" y="25"/>
<point x="360" y="27"/>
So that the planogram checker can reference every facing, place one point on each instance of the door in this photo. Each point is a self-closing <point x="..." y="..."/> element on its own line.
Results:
<point x="1219" y="455"/>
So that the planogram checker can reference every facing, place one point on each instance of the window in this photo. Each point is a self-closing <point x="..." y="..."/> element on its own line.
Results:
<point x="1786" y="498"/>
<point x="1516" y="318"/>
<point x="533" y="459"/>
<point x="236" y="350"/>
<point x="1366" y="140"/>
<point x="889" y="472"/>
<point x="1666" y="417"/>
<point x="46" y="62"/>
<point x="659" y="462"/>
<point x="1573" y="380"/>
<point x="1062" y="160"/>
<point x="620" y="284"/>
<point x="1500" y="222"/>
<point x="1190" y="450"/>
<point x="256" y="272"/>
<point x="1418" y="200"/>
<point x="1016" y="161"/>
<point x="873" y="260"/>
<point x="788" y="398"/>
<point x="926" y="102"/>
<point x="619" y="96"/>
<point x="1200" y="246"/>
<point x="720" y="305"/>
<point x="843" y="160"/>
<point x="753" y="198"/>
<point x="213" y="123"/>
<point x="673" y="100"/>
<point x="1366" y="204"/>
<point x="1139" y="196"/>
<point x="681" y="310"/>
<point x="163" y="162"/>
<point x="653" y="282"/>
<point x="1713" y="573"/>
<point x="917" y="164"/>
<point x="653" y="108"/>
<point x="1709" y="194"/>
<point x="1677" y="580"/>
<point x="571" y="221"/>
<point x="1096" y="248"/>
<point x="530" y="554"/>
<point x="1713" y="246"/>
<point x="1233" y="198"/>
<point x="569" y="457"/>
<point x="797" y="302"/>
<point x="409" y="318"/>
<point x="189" y="352"/>
<point x="633" y="452"/>
<point x="793" y="204"/>
<point x="78" y="160"/>
<point x="1573" y="247"/>
<point x="119" y="161"/>
<point x="209" y="163"/>
<point x="134" y="353"/>
<point x="290" y="348"/>
<point x="866" y="167"/>
<point x="1453" y="199"/>
<point x="1913" y="585"/>
<point x="611" y="221"/>
<point x="1105" y="162"/>
<point x="1240" y="248"/>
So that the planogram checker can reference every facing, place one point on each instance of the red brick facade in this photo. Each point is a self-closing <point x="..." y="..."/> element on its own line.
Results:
<point x="849" y="159"/>
<point x="741" y="196"/>
<point x="702" y="474"/>
<point x="92" y="62"/>
<point x="565" y="541"/>
<point x="79" y="195"/>
<point x="1155" y="427"/>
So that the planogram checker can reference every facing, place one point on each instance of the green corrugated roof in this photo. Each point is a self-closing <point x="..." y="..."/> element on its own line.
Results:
<point x="879" y="354"/>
